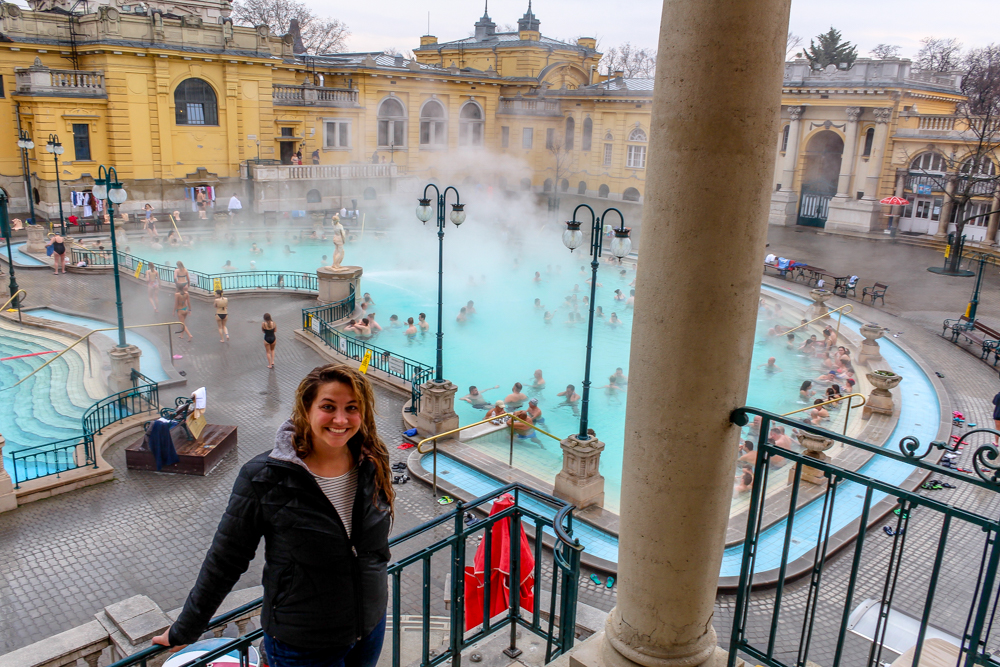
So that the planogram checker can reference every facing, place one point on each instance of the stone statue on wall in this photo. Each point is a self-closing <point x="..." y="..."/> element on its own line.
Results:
<point x="339" y="236"/>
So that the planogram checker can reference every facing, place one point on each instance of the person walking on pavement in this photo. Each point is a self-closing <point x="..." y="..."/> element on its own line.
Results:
<point x="221" y="312"/>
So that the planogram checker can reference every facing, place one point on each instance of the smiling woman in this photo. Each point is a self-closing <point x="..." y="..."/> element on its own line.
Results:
<point x="322" y="501"/>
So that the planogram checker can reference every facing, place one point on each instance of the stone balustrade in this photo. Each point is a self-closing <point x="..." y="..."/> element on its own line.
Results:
<point x="320" y="96"/>
<point x="41" y="80"/>
<point x="529" y="107"/>
<point x="292" y="172"/>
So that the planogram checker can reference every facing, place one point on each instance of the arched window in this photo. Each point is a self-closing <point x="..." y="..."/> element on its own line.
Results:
<point x="635" y="157"/>
<point x="929" y="162"/>
<point x="564" y="185"/>
<point x="314" y="197"/>
<point x="784" y="138"/>
<point x="470" y="125"/>
<point x="547" y="186"/>
<point x="369" y="193"/>
<point x="433" y="125"/>
<point x="603" y="191"/>
<point x="525" y="183"/>
<point x="985" y="169"/>
<point x="608" y="136"/>
<point x="581" y="189"/>
<point x="570" y="130"/>
<point x="588" y="133"/>
<point x="630" y="194"/>
<point x="391" y="123"/>
<point x="195" y="103"/>
<point x="869" y="140"/>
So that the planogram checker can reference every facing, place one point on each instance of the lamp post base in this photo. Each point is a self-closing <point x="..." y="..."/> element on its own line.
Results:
<point x="437" y="408"/>
<point x="123" y="360"/>
<point x="580" y="481"/>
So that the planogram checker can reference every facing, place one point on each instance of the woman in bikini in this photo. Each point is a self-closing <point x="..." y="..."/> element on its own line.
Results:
<point x="182" y="308"/>
<point x="58" y="244"/>
<point x="221" y="311"/>
<point x="269" y="328"/>
<point x="153" y="287"/>
<point x="181" y="278"/>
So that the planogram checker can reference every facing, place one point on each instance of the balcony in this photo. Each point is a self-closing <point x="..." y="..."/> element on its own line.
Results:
<point x="314" y="96"/>
<point x="41" y="81"/>
<point x="958" y="128"/>
<point x="316" y="172"/>
<point x="518" y="106"/>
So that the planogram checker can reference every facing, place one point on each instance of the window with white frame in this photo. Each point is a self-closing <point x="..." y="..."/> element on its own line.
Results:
<point x="929" y="162"/>
<point x="391" y="123"/>
<point x="635" y="156"/>
<point x="527" y="137"/>
<point x="433" y="125"/>
<point x="470" y="125"/>
<point x="608" y="151"/>
<point x="337" y="134"/>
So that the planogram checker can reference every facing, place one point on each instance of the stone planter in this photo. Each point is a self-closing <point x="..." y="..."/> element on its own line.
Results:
<point x="869" y="348"/>
<point x="816" y="447"/>
<point x="880" y="400"/>
<point x="36" y="239"/>
<point x="820" y="297"/>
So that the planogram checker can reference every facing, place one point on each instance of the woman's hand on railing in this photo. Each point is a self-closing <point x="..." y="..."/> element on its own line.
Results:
<point x="164" y="640"/>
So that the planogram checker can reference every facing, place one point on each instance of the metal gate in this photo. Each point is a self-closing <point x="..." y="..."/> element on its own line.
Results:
<point x="814" y="209"/>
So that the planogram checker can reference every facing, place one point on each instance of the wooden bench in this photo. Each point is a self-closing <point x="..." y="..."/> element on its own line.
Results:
<point x="876" y="291"/>
<point x="782" y="273"/>
<point x="977" y="333"/>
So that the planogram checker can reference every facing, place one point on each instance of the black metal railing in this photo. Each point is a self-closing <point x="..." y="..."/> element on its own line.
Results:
<point x="547" y="515"/>
<point x="205" y="282"/>
<point x="329" y="312"/>
<point x="415" y="392"/>
<point x="946" y="586"/>
<point x="53" y="458"/>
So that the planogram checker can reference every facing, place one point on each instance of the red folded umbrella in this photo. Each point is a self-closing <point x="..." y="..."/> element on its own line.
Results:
<point x="894" y="201"/>
<point x="499" y="571"/>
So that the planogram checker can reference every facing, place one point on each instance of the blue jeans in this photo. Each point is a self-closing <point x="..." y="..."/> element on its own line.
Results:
<point x="363" y="653"/>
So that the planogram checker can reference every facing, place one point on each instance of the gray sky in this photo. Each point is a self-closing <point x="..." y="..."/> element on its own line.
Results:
<point x="399" y="23"/>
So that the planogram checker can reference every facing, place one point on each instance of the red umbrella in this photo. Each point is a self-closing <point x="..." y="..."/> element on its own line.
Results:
<point x="499" y="571"/>
<point x="894" y="201"/>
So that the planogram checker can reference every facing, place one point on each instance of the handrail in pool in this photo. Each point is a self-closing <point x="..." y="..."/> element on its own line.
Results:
<point x="839" y="310"/>
<point x="18" y="306"/>
<point x="493" y="419"/>
<point x="847" y="416"/>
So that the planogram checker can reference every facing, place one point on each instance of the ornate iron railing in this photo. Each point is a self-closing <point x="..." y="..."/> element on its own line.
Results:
<point x="329" y="312"/>
<point x="205" y="282"/>
<point x="549" y="516"/>
<point x="53" y="458"/>
<point x="815" y="526"/>
<point x="415" y="391"/>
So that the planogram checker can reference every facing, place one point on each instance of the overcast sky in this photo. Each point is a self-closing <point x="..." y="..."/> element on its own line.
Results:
<point x="399" y="23"/>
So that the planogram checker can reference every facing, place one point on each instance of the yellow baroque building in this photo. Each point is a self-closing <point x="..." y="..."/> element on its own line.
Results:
<point x="177" y="99"/>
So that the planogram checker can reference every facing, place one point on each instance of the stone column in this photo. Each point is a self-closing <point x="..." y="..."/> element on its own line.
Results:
<point x="334" y="284"/>
<point x="991" y="229"/>
<point x="882" y="116"/>
<point x="8" y="500"/>
<point x="36" y="238"/>
<point x="123" y="360"/>
<point x="850" y="145"/>
<point x="437" y="408"/>
<point x="945" y="219"/>
<point x="792" y="149"/>
<point x="580" y="482"/>
<point x="713" y="105"/>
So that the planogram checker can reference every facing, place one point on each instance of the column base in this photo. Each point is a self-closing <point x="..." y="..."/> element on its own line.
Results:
<point x="595" y="651"/>
<point x="334" y="284"/>
<point x="123" y="360"/>
<point x="784" y="207"/>
<point x="852" y="215"/>
<point x="437" y="409"/>
<point x="580" y="481"/>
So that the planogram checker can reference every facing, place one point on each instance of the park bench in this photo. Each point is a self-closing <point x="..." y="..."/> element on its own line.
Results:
<point x="976" y="333"/>
<point x="876" y="291"/>
<point x="782" y="273"/>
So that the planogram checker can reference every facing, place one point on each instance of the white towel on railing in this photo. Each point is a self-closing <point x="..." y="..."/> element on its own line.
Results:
<point x="200" y="398"/>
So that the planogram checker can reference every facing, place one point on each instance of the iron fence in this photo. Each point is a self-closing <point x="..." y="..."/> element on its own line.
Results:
<point x="548" y="516"/>
<point x="330" y="312"/>
<point x="829" y="507"/>
<point x="144" y="396"/>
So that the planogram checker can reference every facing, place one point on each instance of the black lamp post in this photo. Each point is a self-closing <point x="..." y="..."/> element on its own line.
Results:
<point x="25" y="143"/>
<point x="110" y="189"/>
<point x="424" y="213"/>
<point x="621" y="245"/>
<point x="56" y="148"/>
<point x="5" y="229"/>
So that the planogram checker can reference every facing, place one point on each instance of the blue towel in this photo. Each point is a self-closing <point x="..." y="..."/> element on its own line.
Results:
<point x="161" y="444"/>
<point x="412" y="432"/>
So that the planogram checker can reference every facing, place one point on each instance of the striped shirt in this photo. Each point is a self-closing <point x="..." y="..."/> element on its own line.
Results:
<point x="341" y="491"/>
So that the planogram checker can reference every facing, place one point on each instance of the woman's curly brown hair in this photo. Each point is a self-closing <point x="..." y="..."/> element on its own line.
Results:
<point x="365" y="443"/>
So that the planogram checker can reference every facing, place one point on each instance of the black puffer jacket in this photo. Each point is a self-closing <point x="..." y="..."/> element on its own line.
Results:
<point x="321" y="589"/>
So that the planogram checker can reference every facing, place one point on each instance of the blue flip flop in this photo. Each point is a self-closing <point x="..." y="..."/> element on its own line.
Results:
<point x="596" y="580"/>
<point x="611" y="582"/>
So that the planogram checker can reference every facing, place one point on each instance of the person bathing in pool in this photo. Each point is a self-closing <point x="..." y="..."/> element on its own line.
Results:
<point x="516" y="397"/>
<point x="570" y="398"/>
<point x="476" y="399"/>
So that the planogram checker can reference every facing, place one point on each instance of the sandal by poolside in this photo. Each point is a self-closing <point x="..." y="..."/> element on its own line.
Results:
<point x="445" y="500"/>
<point x="611" y="582"/>
<point x="596" y="580"/>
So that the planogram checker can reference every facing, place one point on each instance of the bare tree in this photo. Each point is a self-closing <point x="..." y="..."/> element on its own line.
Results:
<point x="939" y="55"/>
<point x="792" y="46"/>
<point x="319" y="34"/>
<point x="632" y="61"/>
<point x="393" y="51"/>
<point x="560" y="161"/>
<point x="885" y="51"/>
<point x="972" y="177"/>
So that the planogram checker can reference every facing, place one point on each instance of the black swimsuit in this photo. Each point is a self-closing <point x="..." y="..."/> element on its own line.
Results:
<point x="59" y="248"/>
<point x="269" y="336"/>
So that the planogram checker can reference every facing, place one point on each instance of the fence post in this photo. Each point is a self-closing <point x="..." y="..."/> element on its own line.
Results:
<point x="457" y="586"/>
<point x="514" y="584"/>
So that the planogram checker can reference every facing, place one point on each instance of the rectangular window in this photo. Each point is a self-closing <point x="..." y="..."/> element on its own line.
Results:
<point x="1" y="86"/>
<point x="504" y="136"/>
<point x="338" y="134"/>
<point x="636" y="157"/>
<point x="288" y="132"/>
<point x="550" y="138"/>
<point x="784" y="138"/>
<point x="527" y="137"/>
<point x="81" y="141"/>
<point x="391" y="133"/>
<point x="195" y="113"/>
<point x="607" y="155"/>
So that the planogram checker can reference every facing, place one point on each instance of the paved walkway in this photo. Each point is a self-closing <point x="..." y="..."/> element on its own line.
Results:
<point x="64" y="558"/>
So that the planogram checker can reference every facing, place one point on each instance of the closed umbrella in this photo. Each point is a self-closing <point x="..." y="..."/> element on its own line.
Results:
<point x="499" y="575"/>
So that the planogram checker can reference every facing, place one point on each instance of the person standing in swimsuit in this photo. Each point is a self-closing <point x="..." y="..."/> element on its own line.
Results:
<point x="153" y="288"/>
<point x="182" y="308"/>
<point x="181" y="278"/>
<point x="58" y="244"/>
<point x="221" y="311"/>
<point x="269" y="328"/>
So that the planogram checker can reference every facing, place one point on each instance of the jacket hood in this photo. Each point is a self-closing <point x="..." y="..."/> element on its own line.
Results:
<point x="284" y="450"/>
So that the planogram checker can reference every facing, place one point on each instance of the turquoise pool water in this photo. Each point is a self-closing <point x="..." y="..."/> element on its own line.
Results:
<point x="22" y="258"/>
<point x="508" y="337"/>
<point x="150" y="362"/>
<point x="46" y="407"/>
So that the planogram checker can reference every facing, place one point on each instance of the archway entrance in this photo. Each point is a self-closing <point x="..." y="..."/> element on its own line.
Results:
<point x="819" y="177"/>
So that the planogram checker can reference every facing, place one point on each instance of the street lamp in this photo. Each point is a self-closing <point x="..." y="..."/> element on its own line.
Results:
<point x="620" y="246"/>
<point x="424" y="213"/>
<point x="56" y="148"/>
<point x="25" y="143"/>
<point x="109" y="188"/>
<point x="5" y="229"/>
